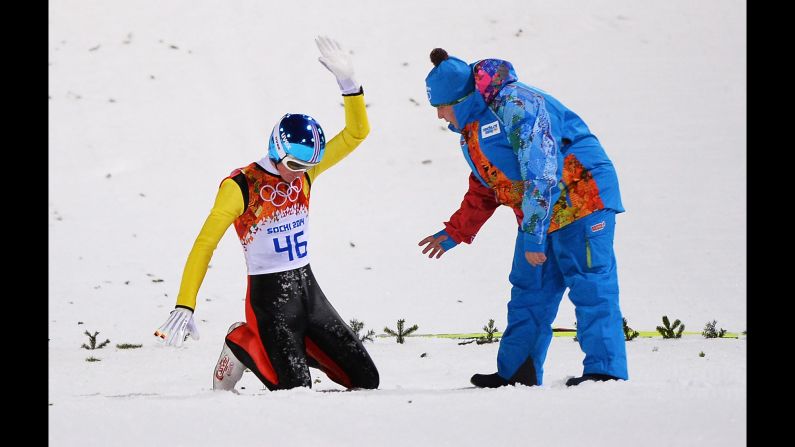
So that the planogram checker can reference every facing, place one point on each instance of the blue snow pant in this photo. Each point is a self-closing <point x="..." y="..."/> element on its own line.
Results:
<point x="579" y="256"/>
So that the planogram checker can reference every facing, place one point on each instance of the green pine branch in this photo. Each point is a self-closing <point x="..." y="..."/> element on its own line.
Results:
<point x="490" y="330"/>
<point x="357" y="326"/>
<point x="401" y="333"/>
<point x="668" y="330"/>
<point x="710" y="332"/>
<point x="127" y="346"/>
<point x="629" y="333"/>
<point x="92" y="340"/>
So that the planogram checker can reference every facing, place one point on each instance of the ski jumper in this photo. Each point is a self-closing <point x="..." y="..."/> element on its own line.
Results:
<point x="290" y="324"/>
<point x="528" y="151"/>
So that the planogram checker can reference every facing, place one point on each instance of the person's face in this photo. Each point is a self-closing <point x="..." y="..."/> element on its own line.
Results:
<point x="446" y="113"/>
<point x="287" y="174"/>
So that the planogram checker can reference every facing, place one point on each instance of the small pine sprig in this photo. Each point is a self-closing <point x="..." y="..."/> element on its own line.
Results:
<point x="488" y="338"/>
<point x="490" y="330"/>
<point x="710" y="332"/>
<point x="400" y="333"/>
<point x="629" y="333"/>
<point x="127" y="346"/>
<point x="357" y="326"/>
<point x="368" y="336"/>
<point x="668" y="330"/>
<point x="92" y="340"/>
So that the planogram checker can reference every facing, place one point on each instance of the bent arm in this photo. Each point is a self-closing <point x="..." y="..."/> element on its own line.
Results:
<point x="356" y="129"/>
<point x="478" y="205"/>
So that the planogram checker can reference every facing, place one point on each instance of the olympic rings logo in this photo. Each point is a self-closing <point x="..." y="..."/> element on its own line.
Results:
<point x="282" y="193"/>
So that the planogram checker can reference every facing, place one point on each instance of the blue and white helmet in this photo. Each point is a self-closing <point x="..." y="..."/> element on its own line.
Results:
<point x="298" y="136"/>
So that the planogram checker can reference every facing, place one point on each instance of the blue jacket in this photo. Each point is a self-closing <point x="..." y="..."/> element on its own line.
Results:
<point x="533" y="153"/>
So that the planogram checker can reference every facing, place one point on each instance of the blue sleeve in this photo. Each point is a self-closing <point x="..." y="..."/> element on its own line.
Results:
<point x="527" y="124"/>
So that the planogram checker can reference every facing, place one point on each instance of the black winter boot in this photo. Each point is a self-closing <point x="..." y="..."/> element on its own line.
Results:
<point x="526" y="375"/>
<point x="488" y="380"/>
<point x="574" y="381"/>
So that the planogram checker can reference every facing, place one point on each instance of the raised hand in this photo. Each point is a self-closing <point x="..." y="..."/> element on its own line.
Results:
<point x="339" y="62"/>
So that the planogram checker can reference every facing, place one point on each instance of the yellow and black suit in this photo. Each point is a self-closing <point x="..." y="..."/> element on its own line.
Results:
<point x="290" y="324"/>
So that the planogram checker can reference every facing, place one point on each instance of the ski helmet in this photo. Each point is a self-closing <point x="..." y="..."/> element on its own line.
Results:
<point x="298" y="136"/>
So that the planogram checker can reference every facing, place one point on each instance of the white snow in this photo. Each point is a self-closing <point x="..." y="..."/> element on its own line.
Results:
<point x="153" y="103"/>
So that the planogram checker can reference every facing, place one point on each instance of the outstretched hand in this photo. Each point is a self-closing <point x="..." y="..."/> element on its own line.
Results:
<point x="339" y="62"/>
<point x="434" y="246"/>
<point x="178" y="327"/>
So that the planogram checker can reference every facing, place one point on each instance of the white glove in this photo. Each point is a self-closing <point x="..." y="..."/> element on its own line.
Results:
<point x="339" y="62"/>
<point x="178" y="327"/>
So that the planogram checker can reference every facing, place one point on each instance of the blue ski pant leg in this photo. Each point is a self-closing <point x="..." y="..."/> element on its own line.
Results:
<point x="535" y="297"/>
<point x="588" y="264"/>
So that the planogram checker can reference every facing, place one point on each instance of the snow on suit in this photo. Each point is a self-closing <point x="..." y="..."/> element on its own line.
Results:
<point x="290" y="325"/>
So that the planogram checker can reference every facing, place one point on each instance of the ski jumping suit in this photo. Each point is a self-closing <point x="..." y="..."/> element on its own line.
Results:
<point x="531" y="153"/>
<point x="290" y="324"/>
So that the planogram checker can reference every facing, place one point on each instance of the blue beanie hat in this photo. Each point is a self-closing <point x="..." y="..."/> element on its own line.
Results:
<point x="450" y="79"/>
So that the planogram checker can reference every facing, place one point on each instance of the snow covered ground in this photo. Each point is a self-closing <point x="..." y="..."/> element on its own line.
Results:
<point x="152" y="103"/>
<point x="164" y="397"/>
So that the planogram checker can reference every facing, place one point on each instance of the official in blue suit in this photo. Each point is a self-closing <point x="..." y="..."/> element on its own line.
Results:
<point x="529" y="152"/>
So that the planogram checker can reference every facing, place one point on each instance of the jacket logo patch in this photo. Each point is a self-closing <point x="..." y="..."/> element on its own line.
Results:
<point x="598" y="227"/>
<point x="491" y="129"/>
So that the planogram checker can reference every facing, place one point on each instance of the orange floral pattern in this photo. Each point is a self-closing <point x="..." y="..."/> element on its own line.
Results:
<point x="508" y="192"/>
<point x="579" y="195"/>
<point x="259" y="211"/>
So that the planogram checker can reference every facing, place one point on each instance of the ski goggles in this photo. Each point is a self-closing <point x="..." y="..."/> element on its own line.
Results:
<point x="294" y="164"/>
